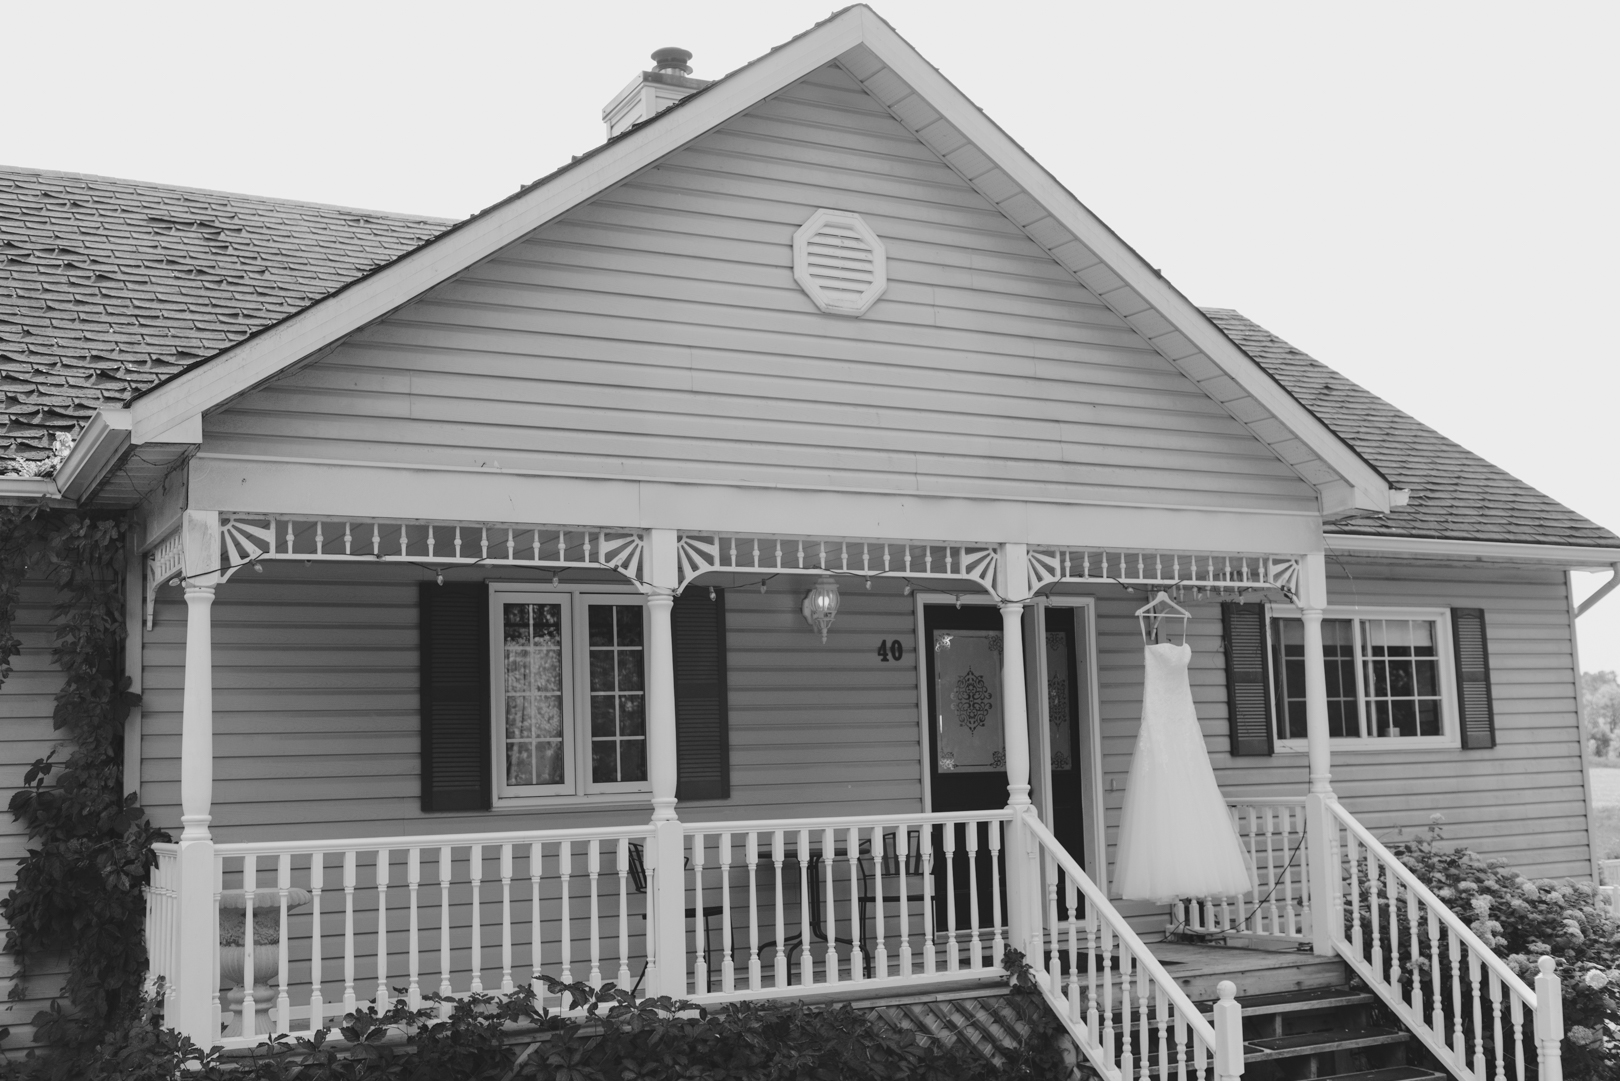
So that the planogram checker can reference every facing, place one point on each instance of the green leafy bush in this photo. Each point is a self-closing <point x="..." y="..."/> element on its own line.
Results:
<point x="606" y="1036"/>
<point x="1522" y="920"/>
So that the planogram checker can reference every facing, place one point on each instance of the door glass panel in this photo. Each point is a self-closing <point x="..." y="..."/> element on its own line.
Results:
<point x="532" y="658"/>
<point x="967" y="696"/>
<point x="1059" y="710"/>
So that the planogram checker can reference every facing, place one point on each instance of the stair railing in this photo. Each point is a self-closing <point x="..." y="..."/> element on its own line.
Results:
<point x="1114" y="997"/>
<point x="1452" y="990"/>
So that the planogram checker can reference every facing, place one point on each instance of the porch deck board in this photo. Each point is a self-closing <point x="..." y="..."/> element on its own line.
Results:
<point x="1199" y="969"/>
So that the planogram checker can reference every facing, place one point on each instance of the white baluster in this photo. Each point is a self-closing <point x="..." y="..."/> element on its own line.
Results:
<point x="1093" y="962"/>
<point x="623" y="978"/>
<point x="1054" y="964"/>
<point x="507" y="986"/>
<point x="829" y="913"/>
<point x="594" y="867"/>
<point x="1071" y="899"/>
<point x="1415" y="955"/>
<point x="1496" y="1026"/>
<point x="781" y="969"/>
<point x="475" y="873"/>
<point x="565" y="868"/>
<point x="752" y="855"/>
<point x="880" y="948"/>
<point x="953" y="963"/>
<point x="283" y="1003"/>
<point x="902" y="835"/>
<point x="997" y="946"/>
<point x="317" y="1002"/>
<point x="1480" y="1071"/>
<point x="349" y="858"/>
<point x="975" y="957"/>
<point x="925" y="838"/>
<point x="248" y="1007"/>
<point x="446" y="867"/>
<point x="413" y="883"/>
<point x="536" y="958"/>
<point x="700" y="969"/>
<point x="383" y="995"/>
<point x="857" y="960"/>
<point x="807" y="964"/>
<point x="1459" y="1042"/>
<point x="1437" y="1021"/>
<point x="728" y="966"/>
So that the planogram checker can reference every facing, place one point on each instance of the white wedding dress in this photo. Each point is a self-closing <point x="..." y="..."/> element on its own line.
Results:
<point x="1176" y="837"/>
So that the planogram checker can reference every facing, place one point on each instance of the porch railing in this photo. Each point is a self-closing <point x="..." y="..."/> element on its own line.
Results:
<point x="340" y="923"/>
<point x="1279" y="907"/>
<point x="1127" y="1014"/>
<point x="163" y="921"/>
<point x="1468" y="1007"/>
<point x="815" y="902"/>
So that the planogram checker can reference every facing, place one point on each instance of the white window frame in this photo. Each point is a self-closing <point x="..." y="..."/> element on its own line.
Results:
<point x="1451" y="729"/>
<point x="577" y="786"/>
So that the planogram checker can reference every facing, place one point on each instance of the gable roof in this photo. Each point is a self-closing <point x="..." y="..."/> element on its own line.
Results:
<point x="928" y="105"/>
<point x="1455" y="494"/>
<point x="109" y="287"/>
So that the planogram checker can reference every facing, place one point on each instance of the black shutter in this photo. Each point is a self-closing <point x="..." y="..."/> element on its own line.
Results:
<point x="702" y="741"/>
<point x="455" y="697"/>
<point x="1473" y="679"/>
<point x="1248" y="690"/>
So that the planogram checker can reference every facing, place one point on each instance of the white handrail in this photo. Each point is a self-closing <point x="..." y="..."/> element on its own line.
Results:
<point x="1487" y="975"/>
<point x="429" y="840"/>
<point x="1091" y="1022"/>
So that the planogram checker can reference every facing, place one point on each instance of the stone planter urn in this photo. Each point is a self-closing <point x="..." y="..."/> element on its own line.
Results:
<point x="266" y="952"/>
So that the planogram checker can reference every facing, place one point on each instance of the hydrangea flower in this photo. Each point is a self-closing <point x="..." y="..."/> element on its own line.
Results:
<point x="1596" y="979"/>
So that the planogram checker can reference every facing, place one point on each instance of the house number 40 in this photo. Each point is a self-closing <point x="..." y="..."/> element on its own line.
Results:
<point x="891" y="651"/>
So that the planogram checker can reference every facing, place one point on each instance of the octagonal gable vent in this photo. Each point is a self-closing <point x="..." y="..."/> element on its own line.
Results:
<point x="839" y="262"/>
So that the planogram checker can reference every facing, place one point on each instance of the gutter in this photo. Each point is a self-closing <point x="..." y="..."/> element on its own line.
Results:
<point x="22" y="490"/>
<point x="1602" y="591"/>
<point x="100" y="445"/>
<point x="1570" y="556"/>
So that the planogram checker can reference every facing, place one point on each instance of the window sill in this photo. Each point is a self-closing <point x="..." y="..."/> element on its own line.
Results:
<point x="1380" y="745"/>
<point x="606" y="801"/>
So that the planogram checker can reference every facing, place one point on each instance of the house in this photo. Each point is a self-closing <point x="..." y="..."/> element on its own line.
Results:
<point x="716" y="568"/>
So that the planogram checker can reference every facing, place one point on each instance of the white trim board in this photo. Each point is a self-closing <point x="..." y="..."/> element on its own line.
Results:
<point x="922" y="99"/>
<point x="1570" y="556"/>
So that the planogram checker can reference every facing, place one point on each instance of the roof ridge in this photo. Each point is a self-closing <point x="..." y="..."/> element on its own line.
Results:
<point x="273" y="200"/>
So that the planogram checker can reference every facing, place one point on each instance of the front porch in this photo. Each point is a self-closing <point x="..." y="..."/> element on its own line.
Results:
<point x="698" y="899"/>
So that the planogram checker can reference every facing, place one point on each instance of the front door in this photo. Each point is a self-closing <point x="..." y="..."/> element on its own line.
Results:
<point x="967" y="764"/>
<point x="1068" y="698"/>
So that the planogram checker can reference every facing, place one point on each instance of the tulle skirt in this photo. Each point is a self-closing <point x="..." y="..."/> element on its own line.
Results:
<point x="1176" y="837"/>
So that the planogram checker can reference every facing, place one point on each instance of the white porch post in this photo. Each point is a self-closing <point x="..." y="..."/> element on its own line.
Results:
<point x="668" y="893"/>
<point x="1323" y="854"/>
<point x="199" y="916"/>
<point x="1023" y="865"/>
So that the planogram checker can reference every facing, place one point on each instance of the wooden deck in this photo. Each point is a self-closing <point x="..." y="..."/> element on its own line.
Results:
<point x="1199" y="969"/>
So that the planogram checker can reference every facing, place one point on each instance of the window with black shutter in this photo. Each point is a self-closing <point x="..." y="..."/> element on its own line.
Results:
<point x="703" y="744"/>
<point x="455" y="696"/>
<point x="1248" y="690"/>
<point x="1473" y="654"/>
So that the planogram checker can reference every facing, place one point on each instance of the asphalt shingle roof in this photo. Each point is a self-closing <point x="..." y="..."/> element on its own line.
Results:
<point x="108" y="287"/>
<point x="1456" y="494"/>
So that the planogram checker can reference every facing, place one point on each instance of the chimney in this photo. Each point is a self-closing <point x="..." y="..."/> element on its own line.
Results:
<point x="651" y="92"/>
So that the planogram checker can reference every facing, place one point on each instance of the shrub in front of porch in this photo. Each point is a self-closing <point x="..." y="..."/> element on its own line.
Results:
<point x="1522" y="920"/>
<point x="606" y="1036"/>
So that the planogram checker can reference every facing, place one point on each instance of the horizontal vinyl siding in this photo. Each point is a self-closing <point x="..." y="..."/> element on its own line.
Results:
<point x="657" y="332"/>
<point x="27" y="701"/>
<point x="316" y="710"/>
<point x="1523" y="801"/>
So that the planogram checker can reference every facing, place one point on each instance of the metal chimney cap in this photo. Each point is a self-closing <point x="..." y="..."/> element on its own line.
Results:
<point x="672" y="59"/>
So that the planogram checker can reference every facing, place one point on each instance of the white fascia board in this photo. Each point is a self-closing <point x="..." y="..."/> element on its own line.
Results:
<point x="1370" y="489"/>
<point x="263" y="356"/>
<point x="16" y="490"/>
<point x="102" y="442"/>
<point x="1569" y="556"/>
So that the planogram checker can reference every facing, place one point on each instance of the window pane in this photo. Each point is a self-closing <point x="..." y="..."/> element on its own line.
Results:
<point x="601" y="622"/>
<point x="617" y="708"/>
<point x="1401" y="667"/>
<point x="1338" y="652"/>
<point x="629" y="624"/>
<point x="533" y="683"/>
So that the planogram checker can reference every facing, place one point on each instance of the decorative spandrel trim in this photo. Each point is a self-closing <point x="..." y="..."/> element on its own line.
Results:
<point x="250" y="538"/>
<point x="164" y="561"/>
<point x="839" y="262"/>
<point x="1217" y="573"/>
<point x="745" y="554"/>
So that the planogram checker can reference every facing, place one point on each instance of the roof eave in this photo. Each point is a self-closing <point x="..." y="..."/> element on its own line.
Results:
<point x="1565" y="556"/>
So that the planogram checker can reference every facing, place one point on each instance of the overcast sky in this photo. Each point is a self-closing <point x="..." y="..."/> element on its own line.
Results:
<point x="1423" y="195"/>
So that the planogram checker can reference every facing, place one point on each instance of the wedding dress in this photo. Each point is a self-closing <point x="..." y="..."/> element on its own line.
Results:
<point x="1176" y="837"/>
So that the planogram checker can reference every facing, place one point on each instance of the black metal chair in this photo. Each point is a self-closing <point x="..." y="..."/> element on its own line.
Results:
<point x="638" y="879"/>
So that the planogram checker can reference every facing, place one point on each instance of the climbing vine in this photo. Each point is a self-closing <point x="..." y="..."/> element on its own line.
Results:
<point x="79" y="888"/>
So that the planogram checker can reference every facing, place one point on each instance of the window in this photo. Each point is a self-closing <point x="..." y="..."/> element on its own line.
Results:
<point x="568" y="692"/>
<point x="1388" y="677"/>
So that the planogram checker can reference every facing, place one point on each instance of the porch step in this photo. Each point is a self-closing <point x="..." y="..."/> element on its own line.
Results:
<point x="1331" y="998"/>
<point x="1390" y="1073"/>
<point x="1302" y="1044"/>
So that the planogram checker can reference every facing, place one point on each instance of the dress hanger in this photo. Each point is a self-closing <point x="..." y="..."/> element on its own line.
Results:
<point x="1160" y="608"/>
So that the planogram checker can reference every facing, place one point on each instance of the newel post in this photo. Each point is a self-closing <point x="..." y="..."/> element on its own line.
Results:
<point x="1023" y="871"/>
<point x="199" y="915"/>
<point x="666" y="895"/>
<point x="1549" y="1022"/>
<point x="1320" y="825"/>
<point x="1228" y="1033"/>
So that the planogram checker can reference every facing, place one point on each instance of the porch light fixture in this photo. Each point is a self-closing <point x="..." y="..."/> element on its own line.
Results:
<point x="821" y="606"/>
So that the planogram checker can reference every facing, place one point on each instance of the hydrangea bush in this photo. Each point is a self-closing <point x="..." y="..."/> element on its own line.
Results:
<point x="1524" y="920"/>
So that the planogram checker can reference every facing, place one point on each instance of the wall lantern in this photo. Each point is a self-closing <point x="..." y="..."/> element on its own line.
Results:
<point x="821" y="606"/>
